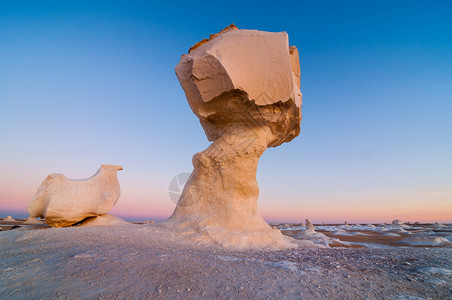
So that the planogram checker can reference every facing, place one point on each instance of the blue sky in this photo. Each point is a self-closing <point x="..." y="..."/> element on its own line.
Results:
<point x="90" y="82"/>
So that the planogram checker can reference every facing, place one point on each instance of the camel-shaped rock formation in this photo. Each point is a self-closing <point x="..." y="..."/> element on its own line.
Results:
<point x="64" y="202"/>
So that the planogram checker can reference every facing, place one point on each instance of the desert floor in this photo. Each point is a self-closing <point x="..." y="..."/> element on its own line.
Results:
<point x="145" y="261"/>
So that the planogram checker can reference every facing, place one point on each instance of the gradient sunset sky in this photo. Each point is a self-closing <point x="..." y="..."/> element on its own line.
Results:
<point x="84" y="83"/>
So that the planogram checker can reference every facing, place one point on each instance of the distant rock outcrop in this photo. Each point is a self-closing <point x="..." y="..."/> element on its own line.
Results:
<point x="103" y="220"/>
<point x="309" y="226"/>
<point x="397" y="222"/>
<point x="311" y="235"/>
<point x="426" y="240"/>
<point x="64" y="202"/>
<point x="32" y="221"/>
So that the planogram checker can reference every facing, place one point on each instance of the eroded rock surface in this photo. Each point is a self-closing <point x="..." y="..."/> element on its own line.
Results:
<point x="31" y="221"/>
<point x="103" y="220"/>
<point x="309" y="226"/>
<point x="64" y="202"/>
<point x="244" y="86"/>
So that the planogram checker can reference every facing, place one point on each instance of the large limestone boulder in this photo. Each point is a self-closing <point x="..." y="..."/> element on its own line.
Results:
<point x="244" y="76"/>
<point x="244" y="86"/>
<point x="64" y="202"/>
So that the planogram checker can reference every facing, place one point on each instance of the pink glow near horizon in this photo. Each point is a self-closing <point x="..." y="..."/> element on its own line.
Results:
<point x="149" y="204"/>
<point x="146" y="197"/>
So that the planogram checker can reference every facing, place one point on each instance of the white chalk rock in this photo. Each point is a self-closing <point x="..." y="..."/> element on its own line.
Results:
<point x="309" y="234"/>
<point x="103" y="220"/>
<point x="438" y="225"/>
<point x="231" y="75"/>
<point x="396" y="228"/>
<point x="244" y="86"/>
<point x="32" y="221"/>
<point x="64" y="202"/>
<point x="309" y="226"/>
<point x="397" y="222"/>
<point x="426" y="240"/>
<point x="9" y="219"/>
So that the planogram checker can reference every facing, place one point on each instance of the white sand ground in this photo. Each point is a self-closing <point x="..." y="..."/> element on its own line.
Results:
<point x="146" y="261"/>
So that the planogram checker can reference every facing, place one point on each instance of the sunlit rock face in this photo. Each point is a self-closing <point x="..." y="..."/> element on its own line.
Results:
<point x="103" y="220"/>
<point x="64" y="202"/>
<point x="31" y="221"/>
<point x="244" y="86"/>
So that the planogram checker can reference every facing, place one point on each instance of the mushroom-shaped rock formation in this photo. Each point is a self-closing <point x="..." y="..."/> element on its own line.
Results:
<point x="244" y="86"/>
<point x="64" y="202"/>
